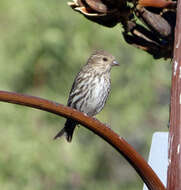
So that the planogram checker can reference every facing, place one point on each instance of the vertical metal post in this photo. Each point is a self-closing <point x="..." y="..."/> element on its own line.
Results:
<point x="174" y="154"/>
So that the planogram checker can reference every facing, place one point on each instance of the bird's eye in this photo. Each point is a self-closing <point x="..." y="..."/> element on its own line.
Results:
<point x="105" y="59"/>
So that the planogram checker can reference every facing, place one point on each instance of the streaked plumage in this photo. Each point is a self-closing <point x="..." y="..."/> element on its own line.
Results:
<point x="90" y="89"/>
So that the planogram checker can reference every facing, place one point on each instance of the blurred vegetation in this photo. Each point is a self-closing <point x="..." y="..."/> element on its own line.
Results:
<point x="43" y="44"/>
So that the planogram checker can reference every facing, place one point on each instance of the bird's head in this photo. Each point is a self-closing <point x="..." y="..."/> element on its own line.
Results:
<point x="102" y="59"/>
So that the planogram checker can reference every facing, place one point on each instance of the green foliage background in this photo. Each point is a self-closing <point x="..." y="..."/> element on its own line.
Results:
<point x="43" y="44"/>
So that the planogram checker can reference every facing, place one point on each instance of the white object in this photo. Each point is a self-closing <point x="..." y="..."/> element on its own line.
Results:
<point x="158" y="156"/>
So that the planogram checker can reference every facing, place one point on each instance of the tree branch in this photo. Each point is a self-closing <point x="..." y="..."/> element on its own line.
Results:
<point x="137" y="162"/>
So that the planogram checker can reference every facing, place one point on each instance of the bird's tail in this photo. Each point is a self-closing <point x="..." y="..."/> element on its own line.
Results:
<point x="68" y="130"/>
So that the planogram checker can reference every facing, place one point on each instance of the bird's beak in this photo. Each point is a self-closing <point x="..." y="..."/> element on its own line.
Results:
<point x="115" y="63"/>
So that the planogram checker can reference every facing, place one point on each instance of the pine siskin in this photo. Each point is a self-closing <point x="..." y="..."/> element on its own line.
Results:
<point x="90" y="89"/>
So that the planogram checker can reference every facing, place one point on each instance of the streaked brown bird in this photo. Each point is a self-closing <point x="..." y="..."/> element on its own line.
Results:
<point x="90" y="89"/>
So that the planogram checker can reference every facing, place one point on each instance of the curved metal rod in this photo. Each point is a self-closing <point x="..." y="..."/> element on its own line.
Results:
<point x="138" y="163"/>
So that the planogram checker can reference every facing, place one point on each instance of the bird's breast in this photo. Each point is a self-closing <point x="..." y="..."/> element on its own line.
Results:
<point x="96" y="97"/>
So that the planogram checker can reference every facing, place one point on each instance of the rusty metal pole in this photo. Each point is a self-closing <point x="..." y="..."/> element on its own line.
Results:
<point x="137" y="162"/>
<point x="174" y="154"/>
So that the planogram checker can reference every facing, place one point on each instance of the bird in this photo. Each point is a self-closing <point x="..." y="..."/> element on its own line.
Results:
<point x="90" y="89"/>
